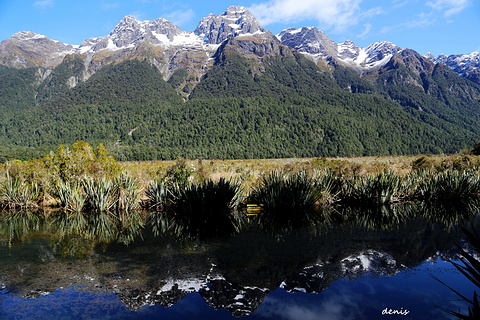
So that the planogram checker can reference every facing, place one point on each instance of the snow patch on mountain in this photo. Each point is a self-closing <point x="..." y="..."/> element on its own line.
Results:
<point x="237" y="20"/>
<point x="28" y="49"/>
<point x="465" y="65"/>
<point x="316" y="44"/>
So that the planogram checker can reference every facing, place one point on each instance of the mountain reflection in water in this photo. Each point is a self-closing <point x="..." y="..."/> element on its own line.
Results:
<point x="353" y="266"/>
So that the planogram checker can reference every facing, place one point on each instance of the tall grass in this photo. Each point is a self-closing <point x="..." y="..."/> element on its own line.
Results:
<point x="376" y="189"/>
<point x="289" y="200"/>
<point x="71" y="195"/>
<point x="447" y="186"/>
<point x="206" y="209"/>
<point x="100" y="194"/>
<point x="327" y="183"/>
<point x="157" y="194"/>
<point x="127" y="193"/>
<point x="18" y="193"/>
<point x="469" y="266"/>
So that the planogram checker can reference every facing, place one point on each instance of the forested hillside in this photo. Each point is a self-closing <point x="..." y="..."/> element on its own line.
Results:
<point x="241" y="108"/>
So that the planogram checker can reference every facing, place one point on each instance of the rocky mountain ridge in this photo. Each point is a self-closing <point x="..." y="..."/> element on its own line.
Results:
<point x="170" y="48"/>
<point x="465" y="65"/>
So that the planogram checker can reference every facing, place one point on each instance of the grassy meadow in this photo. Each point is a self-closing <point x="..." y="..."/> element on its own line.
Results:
<point x="75" y="178"/>
<point x="250" y="171"/>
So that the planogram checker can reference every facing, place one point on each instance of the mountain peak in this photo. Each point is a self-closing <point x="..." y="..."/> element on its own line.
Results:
<point x="309" y="40"/>
<point x="28" y="35"/>
<point x="29" y="49"/>
<point x="314" y="42"/>
<point x="466" y="65"/>
<point x="130" y="32"/>
<point x="236" y="10"/>
<point x="236" y="20"/>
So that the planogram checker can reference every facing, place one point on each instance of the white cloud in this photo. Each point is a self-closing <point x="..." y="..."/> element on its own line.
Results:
<point x="138" y="15"/>
<point x="449" y="7"/>
<point x="341" y="306"/>
<point x="368" y="27"/>
<point x="43" y="4"/>
<point x="180" y="17"/>
<point x="107" y="6"/>
<point x="421" y="21"/>
<point x="336" y="14"/>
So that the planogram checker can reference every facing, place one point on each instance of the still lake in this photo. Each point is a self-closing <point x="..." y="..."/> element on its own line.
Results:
<point x="349" y="270"/>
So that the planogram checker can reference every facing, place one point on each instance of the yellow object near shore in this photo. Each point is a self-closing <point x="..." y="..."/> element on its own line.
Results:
<point x="254" y="209"/>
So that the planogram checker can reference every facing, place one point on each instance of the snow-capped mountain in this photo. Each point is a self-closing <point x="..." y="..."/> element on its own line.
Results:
<point x="170" y="48"/>
<point x="160" y="41"/>
<point x="465" y="65"/>
<point x="233" y="22"/>
<point x="317" y="44"/>
<point x="28" y="49"/>
<point x="308" y="40"/>
<point x="130" y="33"/>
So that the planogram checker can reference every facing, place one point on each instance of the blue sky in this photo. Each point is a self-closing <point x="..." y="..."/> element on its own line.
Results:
<point x="437" y="26"/>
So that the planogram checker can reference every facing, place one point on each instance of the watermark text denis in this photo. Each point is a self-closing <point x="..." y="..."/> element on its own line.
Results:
<point x="401" y="311"/>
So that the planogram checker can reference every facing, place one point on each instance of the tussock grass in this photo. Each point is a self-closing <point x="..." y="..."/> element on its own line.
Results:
<point x="447" y="186"/>
<point x="205" y="209"/>
<point x="199" y="197"/>
<point x="157" y="195"/>
<point x="100" y="194"/>
<point x="375" y="189"/>
<point x="288" y="199"/>
<point x="16" y="192"/>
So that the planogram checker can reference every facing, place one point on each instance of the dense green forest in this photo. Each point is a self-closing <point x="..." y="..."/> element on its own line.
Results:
<point x="282" y="107"/>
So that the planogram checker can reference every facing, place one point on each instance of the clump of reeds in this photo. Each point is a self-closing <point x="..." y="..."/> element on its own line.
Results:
<point x="327" y="183"/>
<point x="288" y="200"/>
<point x="157" y="194"/>
<point x="16" y="192"/>
<point x="469" y="266"/>
<point x="447" y="186"/>
<point x="100" y="194"/>
<point x="127" y="193"/>
<point x="376" y="189"/>
<point x="71" y="195"/>
<point x="205" y="209"/>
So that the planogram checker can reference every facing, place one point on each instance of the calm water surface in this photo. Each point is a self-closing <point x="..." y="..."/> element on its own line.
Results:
<point x="333" y="271"/>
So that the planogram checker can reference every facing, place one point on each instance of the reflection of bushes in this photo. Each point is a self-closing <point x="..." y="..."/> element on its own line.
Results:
<point x="288" y="199"/>
<point x="447" y="213"/>
<point x="205" y="209"/>
<point x="390" y="216"/>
